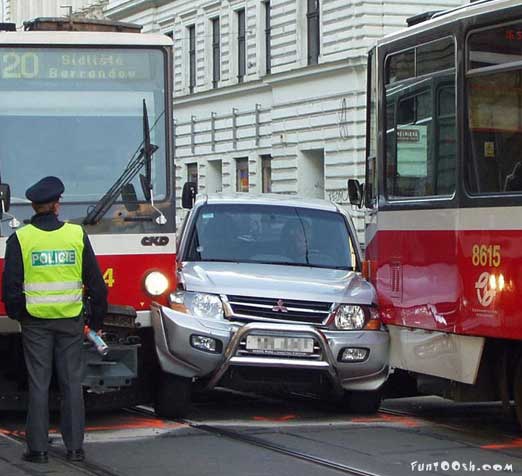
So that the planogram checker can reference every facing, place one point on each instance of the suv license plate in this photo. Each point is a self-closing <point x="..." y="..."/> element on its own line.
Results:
<point x="280" y="344"/>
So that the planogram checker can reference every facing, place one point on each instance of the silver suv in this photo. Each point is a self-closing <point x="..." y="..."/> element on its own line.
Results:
<point x="270" y="295"/>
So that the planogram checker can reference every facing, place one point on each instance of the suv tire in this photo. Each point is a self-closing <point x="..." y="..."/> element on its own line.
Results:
<point x="173" y="394"/>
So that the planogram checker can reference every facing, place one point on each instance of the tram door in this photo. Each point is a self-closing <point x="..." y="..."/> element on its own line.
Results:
<point x="417" y="273"/>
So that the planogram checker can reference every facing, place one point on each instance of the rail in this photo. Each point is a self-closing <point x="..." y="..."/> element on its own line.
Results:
<point x="260" y="443"/>
<point x="79" y="467"/>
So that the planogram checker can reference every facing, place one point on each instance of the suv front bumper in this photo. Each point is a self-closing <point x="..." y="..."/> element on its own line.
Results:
<point x="173" y="331"/>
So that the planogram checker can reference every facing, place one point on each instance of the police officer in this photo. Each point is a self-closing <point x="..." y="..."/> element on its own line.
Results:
<point x="50" y="271"/>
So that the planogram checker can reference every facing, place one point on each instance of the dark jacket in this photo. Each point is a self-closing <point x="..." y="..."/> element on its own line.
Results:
<point x="13" y="277"/>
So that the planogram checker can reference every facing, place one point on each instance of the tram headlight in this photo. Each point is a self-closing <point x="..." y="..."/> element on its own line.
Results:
<point x="207" y="306"/>
<point x="156" y="283"/>
<point x="349" y="317"/>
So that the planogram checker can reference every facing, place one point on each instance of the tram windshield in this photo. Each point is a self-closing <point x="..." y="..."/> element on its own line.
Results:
<point x="77" y="113"/>
<point x="494" y="165"/>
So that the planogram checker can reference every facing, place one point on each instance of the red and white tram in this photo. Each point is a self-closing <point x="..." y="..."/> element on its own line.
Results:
<point x="443" y="198"/>
<point x="93" y="106"/>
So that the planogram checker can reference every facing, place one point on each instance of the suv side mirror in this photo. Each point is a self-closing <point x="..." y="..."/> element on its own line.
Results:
<point x="355" y="192"/>
<point x="190" y="190"/>
<point x="5" y="197"/>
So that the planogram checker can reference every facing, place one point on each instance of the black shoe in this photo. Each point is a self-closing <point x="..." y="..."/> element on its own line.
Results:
<point x="35" y="456"/>
<point x="76" y="455"/>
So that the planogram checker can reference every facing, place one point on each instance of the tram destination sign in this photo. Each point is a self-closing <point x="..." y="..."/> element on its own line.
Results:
<point x="77" y="65"/>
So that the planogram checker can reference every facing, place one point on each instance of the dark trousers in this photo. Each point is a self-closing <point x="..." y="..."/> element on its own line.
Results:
<point x="60" y="341"/>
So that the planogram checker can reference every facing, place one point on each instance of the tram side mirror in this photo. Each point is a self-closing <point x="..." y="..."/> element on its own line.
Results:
<point x="188" y="196"/>
<point x="355" y="192"/>
<point x="129" y="198"/>
<point x="5" y="198"/>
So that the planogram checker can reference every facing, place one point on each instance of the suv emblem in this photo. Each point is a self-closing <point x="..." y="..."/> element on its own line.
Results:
<point x="280" y="306"/>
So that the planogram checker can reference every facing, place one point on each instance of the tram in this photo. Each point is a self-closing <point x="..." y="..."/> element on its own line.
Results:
<point x="443" y="199"/>
<point x="90" y="102"/>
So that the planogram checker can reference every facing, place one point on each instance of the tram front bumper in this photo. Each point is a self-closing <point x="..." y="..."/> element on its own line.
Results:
<point x="179" y="338"/>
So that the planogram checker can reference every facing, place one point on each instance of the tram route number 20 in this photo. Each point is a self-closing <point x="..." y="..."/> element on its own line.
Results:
<point x="19" y="66"/>
<point x="108" y="277"/>
<point x="485" y="255"/>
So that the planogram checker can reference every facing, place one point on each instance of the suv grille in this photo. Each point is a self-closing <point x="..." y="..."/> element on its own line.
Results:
<point x="256" y="308"/>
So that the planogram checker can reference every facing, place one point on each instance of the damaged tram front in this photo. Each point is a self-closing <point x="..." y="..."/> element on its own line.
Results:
<point x="92" y="106"/>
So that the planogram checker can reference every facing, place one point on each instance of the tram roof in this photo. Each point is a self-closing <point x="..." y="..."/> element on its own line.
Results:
<point x="458" y="13"/>
<point x="49" y="38"/>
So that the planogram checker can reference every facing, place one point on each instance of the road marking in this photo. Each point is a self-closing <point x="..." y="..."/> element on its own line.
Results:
<point x="384" y="418"/>
<point x="516" y="443"/>
<point x="277" y="419"/>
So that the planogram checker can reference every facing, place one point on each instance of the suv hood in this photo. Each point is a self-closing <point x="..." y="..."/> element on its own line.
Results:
<point x="277" y="281"/>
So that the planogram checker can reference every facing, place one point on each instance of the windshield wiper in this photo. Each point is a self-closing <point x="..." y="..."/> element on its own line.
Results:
<point x="133" y="167"/>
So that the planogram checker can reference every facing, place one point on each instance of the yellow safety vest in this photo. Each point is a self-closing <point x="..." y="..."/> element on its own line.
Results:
<point x="52" y="270"/>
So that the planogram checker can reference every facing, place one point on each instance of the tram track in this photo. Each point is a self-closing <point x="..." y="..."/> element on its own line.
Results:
<point x="267" y="445"/>
<point x="85" y="467"/>
<point x="246" y="437"/>
<point x="435" y="420"/>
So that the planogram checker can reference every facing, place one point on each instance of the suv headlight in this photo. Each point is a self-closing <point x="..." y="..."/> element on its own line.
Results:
<point x="203" y="305"/>
<point x="348" y="317"/>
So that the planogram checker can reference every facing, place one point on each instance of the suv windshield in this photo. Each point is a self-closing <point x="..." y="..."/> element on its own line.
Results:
<point x="273" y="235"/>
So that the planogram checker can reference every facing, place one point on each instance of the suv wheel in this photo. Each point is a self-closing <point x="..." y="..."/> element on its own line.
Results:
<point x="363" y="402"/>
<point x="172" y="396"/>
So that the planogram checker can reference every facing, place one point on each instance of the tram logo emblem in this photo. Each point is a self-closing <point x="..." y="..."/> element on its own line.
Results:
<point x="155" y="241"/>
<point x="485" y="293"/>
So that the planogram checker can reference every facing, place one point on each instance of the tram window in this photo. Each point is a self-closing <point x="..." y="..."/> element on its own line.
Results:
<point x="435" y="56"/>
<point x="495" y="46"/>
<point x="406" y="111"/>
<point x="413" y="136"/>
<point x="400" y="66"/>
<point x="420" y="141"/>
<point x="447" y="139"/>
<point x="425" y="59"/>
<point x="495" y="132"/>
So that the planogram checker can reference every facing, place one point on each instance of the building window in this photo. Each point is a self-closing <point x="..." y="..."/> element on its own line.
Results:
<point x="312" y="21"/>
<point x="266" y="173"/>
<point x="192" y="57"/>
<point x="241" y="45"/>
<point x="268" y="33"/>
<point x="242" y="175"/>
<point x="192" y="173"/>
<point x="216" y="53"/>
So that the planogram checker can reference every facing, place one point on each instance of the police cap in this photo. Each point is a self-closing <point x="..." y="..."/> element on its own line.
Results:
<point x="49" y="189"/>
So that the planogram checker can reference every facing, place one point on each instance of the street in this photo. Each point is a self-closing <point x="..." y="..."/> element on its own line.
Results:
<point x="243" y="434"/>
